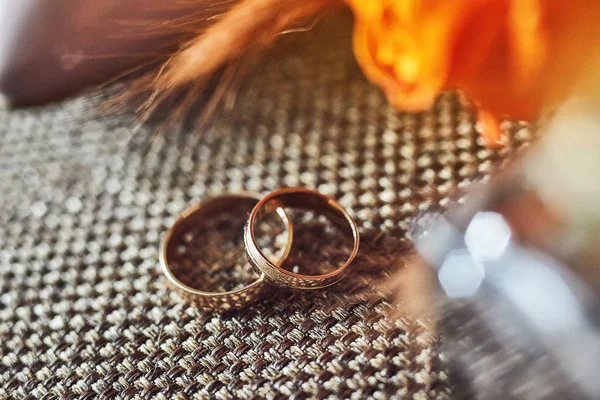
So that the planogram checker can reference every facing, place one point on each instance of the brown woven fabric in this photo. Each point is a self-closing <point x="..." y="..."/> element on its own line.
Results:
<point x="84" y="310"/>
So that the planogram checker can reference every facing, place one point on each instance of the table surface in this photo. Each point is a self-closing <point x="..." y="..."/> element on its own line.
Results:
<point x="84" y="309"/>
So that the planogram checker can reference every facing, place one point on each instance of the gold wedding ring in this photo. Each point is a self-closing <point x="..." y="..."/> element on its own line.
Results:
<point x="269" y="271"/>
<point x="197" y="215"/>
<point x="304" y="199"/>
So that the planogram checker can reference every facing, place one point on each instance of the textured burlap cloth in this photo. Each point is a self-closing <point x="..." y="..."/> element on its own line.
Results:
<point x="84" y="309"/>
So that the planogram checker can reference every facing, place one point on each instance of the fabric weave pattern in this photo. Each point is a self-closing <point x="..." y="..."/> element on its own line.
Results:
<point x="84" y="309"/>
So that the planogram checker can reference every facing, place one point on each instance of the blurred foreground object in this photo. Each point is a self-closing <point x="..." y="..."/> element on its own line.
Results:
<point x="51" y="49"/>
<point x="518" y="270"/>
<point x="511" y="57"/>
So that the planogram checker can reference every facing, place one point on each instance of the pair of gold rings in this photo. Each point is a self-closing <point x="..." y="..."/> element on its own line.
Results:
<point x="270" y="271"/>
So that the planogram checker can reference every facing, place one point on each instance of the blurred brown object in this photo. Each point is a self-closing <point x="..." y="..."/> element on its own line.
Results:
<point x="51" y="49"/>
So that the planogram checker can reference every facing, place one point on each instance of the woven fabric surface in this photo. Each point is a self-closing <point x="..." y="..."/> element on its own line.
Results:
<point x="84" y="309"/>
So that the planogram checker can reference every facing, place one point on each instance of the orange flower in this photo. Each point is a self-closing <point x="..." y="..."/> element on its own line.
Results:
<point x="511" y="57"/>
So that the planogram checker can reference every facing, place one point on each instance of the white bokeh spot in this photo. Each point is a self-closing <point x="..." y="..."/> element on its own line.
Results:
<point x="460" y="275"/>
<point x="487" y="236"/>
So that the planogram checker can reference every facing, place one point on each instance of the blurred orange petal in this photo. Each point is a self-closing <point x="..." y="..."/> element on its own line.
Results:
<point x="490" y="129"/>
<point x="511" y="57"/>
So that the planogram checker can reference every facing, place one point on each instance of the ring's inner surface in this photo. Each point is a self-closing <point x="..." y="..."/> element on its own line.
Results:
<point x="206" y="250"/>
<point x="323" y="238"/>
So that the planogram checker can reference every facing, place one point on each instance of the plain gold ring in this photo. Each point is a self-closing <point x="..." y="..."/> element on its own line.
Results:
<point x="196" y="215"/>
